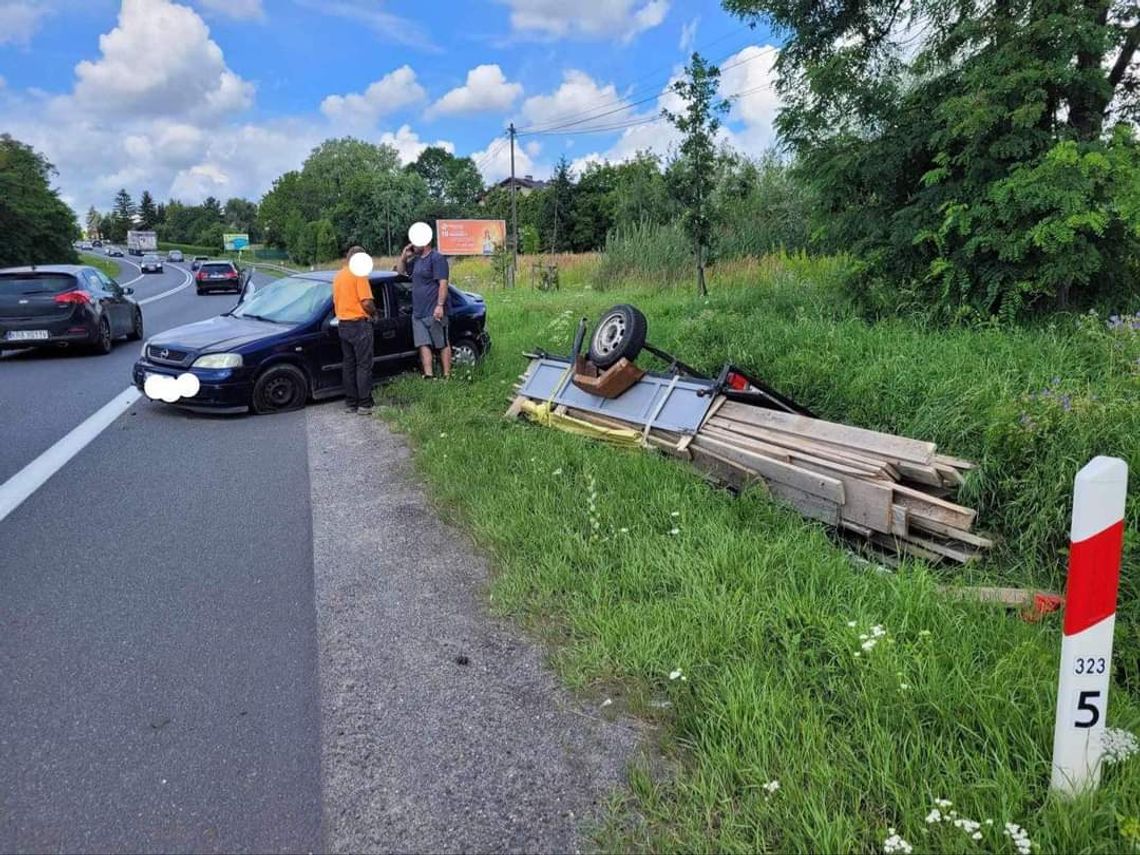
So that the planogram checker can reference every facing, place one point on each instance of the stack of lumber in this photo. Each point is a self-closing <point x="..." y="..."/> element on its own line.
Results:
<point x="887" y="490"/>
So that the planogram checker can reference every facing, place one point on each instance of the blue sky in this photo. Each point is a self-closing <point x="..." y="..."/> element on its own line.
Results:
<point x="217" y="97"/>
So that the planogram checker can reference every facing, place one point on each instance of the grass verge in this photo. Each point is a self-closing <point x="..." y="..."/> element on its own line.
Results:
<point x="105" y="264"/>
<point x="636" y="570"/>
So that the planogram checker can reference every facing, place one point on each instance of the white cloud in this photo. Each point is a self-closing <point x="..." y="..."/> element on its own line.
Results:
<point x="394" y="90"/>
<point x="494" y="161"/>
<point x="689" y="35"/>
<point x="578" y="98"/>
<point x="19" y="20"/>
<point x="486" y="90"/>
<point x="389" y="27"/>
<point x="408" y="144"/>
<point x="241" y="10"/>
<point x="751" y="72"/>
<point x="159" y="61"/>
<point x="619" y="19"/>
<point x="533" y="148"/>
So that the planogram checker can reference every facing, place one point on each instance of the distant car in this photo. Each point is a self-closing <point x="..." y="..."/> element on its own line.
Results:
<point x="281" y="347"/>
<point x="218" y="276"/>
<point x="151" y="264"/>
<point x="85" y="245"/>
<point x="114" y="252"/>
<point x="197" y="262"/>
<point x="65" y="304"/>
<point x="175" y="255"/>
<point x="97" y="243"/>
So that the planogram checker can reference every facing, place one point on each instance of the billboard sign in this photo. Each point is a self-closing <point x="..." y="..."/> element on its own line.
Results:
<point x="235" y="242"/>
<point x="470" y="237"/>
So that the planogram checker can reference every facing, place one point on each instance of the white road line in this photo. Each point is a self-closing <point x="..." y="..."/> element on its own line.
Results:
<point x="136" y="267"/>
<point x="33" y="476"/>
<point x="186" y="283"/>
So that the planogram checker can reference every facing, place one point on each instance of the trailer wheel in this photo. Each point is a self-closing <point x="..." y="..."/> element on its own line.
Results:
<point x="620" y="333"/>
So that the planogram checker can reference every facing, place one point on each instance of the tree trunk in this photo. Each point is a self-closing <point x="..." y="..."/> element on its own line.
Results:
<point x="702" y="289"/>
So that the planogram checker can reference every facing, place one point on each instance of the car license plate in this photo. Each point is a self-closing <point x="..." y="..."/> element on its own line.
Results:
<point x="217" y="276"/>
<point x="27" y="335"/>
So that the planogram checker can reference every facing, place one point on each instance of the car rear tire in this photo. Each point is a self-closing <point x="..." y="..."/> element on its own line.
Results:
<point x="280" y="389"/>
<point x="136" y="333"/>
<point x="620" y="334"/>
<point x="465" y="351"/>
<point x="104" y="341"/>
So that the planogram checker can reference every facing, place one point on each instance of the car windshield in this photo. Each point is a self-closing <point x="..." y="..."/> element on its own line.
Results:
<point x="50" y="283"/>
<point x="287" y="301"/>
<point x="218" y="268"/>
<point x="151" y="258"/>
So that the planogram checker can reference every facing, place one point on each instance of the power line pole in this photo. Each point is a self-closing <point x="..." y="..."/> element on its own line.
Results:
<point x="514" y="209"/>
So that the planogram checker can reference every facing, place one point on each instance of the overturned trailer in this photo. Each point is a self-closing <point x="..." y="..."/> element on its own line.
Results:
<point x="891" y="492"/>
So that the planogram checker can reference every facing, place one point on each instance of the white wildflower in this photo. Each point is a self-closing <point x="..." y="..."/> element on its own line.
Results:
<point x="624" y="530"/>
<point x="924" y="632"/>
<point x="607" y="702"/>
<point x="904" y="686"/>
<point x="676" y="675"/>
<point x="851" y="623"/>
<point x="1117" y="745"/>
<point x="895" y="844"/>
<point x="977" y="835"/>
<point x="443" y="436"/>
<point x="857" y="654"/>
<point x="869" y="644"/>
<point x="944" y="803"/>
<point x="675" y="514"/>
<point x="771" y="787"/>
<point x="557" y="471"/>
<point x="1020" y="838"/>
<point x="674" y="531"/>
<point x="934" y="816"/>
<point x="877" y="631"/>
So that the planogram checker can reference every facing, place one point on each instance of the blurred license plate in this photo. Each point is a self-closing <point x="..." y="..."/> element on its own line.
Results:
<point x="27" y="335"/>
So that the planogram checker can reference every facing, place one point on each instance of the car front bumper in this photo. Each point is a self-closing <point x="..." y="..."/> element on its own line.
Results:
<point x="220" y="389"/>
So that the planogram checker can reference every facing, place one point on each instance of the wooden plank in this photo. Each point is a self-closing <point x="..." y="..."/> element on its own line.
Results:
<point x="962" y="556"/>
<point x="790" y="454"/>
<point x="954" y="462"/>
<point x="920" y="474"/>
<point x="931" y="507"/>
<point x="806" y="504"/>
<point x="897" y="447"/>
<point x="900" y="520"/>
<point x="723" y="471"/>
<point x="812" y="446"/>
<point x="856" y="528"/>
<point x="1020" y="597"/>
<point x="935" y="527"/>
<point x="814" y="483"/>
<point x="515" y="408"/>
<point x="950" y="476"/>
<point x="903" y="547"/>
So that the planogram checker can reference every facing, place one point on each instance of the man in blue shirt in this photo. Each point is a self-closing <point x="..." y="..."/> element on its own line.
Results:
<point x="429" y="273"/>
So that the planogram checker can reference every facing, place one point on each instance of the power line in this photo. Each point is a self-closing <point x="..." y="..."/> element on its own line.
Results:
<point x="643" y="121"/>
<point x="654" y="73"/>
<point x="625" y="106"/>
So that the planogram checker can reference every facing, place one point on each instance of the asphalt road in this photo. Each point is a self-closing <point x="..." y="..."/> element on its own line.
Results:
<point x="221" y="634"/>
<point x="157" y="628"/>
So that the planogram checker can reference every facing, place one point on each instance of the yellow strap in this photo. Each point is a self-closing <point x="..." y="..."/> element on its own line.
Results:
<point x="544" y="414"/>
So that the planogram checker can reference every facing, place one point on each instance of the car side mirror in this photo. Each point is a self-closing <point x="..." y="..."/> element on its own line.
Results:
<point x="332" y="322"/>
<point x="128" y="290"/>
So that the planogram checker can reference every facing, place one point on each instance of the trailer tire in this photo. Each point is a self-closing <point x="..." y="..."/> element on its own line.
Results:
<point x="619" y="334"/>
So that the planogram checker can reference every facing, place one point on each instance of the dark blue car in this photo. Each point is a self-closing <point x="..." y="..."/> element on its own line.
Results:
<point x="279" y="347"/>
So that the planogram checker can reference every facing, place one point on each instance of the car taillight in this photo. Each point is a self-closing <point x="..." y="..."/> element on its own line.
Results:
<point x="231" y="275"/>
<point x="81" y="298"/>
<point x="737" y="382"/>
<point x="201" y="275"/>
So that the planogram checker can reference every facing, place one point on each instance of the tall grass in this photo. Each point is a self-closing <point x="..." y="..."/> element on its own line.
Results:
<point x="762" y="612"/>
<point x="644" y="251"/>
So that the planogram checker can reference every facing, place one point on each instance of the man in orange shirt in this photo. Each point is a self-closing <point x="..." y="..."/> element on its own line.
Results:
<point x="356" y="313"/>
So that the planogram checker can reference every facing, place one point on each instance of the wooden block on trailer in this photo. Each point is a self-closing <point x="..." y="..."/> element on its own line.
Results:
<point x="813" y="483"/>
<point x="888" y="445"/>
<point x="922" y="504"/>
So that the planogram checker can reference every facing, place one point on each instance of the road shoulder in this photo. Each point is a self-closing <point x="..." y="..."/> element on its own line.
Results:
<point x="442" y="729"/>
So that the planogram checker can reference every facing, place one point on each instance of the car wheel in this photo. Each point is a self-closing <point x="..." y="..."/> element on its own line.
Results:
<point x="103" y="343"/>
<point x="136" y="327"/>
<point x="280" y="389"/>
<point x="619" y="334"/>
<point x="465" y="352"/>
<point x="200" y="292"/>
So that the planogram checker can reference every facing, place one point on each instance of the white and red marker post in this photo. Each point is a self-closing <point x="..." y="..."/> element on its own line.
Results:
<point x="1097" y="537"/>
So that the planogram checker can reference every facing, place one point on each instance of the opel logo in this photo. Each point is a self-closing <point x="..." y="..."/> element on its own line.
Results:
<point x="164" y="353"/>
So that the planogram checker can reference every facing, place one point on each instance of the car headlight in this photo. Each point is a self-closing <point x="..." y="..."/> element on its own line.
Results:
<point x="218" y="360"/>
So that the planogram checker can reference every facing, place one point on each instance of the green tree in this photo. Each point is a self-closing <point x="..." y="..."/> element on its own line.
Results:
<point x="122" y="216"/>
<point x="92" y="223"/>
<point x="241" y="218"/>
<point x="452" y="182"/>
<point x="977" y="157"/>
<point x="36" y="226"/>
<point x="557" y="205"/>
<point x="692" y="170"/>
<point x="147" y="214"/>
